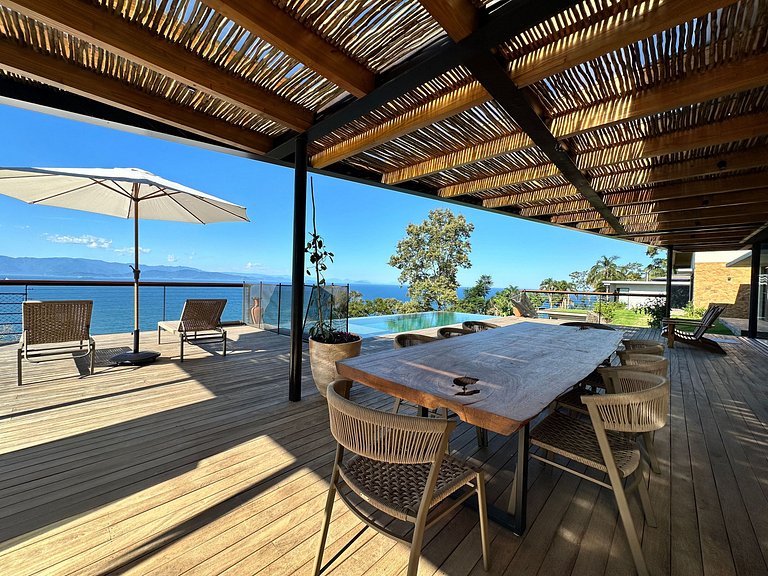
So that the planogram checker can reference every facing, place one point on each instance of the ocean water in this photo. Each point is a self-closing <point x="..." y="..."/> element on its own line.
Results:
<point x="113" y="305"/>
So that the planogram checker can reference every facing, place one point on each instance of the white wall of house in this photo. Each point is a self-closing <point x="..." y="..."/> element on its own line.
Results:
<point x="650" y="288"/>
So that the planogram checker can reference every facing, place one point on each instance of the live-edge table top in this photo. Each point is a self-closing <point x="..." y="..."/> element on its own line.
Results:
<point x="520" y="369"/>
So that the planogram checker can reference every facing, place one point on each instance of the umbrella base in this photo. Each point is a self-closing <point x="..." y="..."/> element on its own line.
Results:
<point x="135" y="358"/>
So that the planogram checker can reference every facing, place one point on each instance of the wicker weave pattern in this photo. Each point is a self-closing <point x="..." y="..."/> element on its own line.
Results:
<point x="386" y="437"/>
<point x="398" y="489"/>
<point x="575" y="438"/>
<point x="649" y="350"/>
<point x="633" y="344"/>
<point x="202" y="314"/>
<point x="633" y="412"/>
<point x="651" y="363"/>
<point x="56" y="321"/>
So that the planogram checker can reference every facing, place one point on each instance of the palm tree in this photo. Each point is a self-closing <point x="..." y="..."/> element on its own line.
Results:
<point x="552" y="284"/>
<point x="604" y="269"/>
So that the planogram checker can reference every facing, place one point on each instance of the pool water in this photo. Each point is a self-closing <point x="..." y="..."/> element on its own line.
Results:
<point x="371" y="326"/>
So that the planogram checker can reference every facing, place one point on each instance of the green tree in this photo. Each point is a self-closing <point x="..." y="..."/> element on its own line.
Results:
<point x="579" y="281"/>
<point x="604" y="269"/>
<point x="552" y="284"/>
<point x="430" y="256"/>
<point x="658" y="265"/>
<point x="475" y="298"/>
<point x="631" y="271"/>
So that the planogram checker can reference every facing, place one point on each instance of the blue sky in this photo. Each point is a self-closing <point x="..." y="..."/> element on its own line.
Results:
<point x="361" y="224"/>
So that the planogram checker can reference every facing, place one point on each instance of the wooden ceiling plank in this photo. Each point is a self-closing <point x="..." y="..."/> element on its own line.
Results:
<point x="529" y="175"/>
<point x="626" y="28"/>
<point x="72" y="78"/>
<point x="95" y="25"/>
<point x="758" y="219"/>
<point x="694" y="216"/>
<point x="741" y="160"/>
<point x="689" y="189"/>
<point x="564" y="193"/>
<point x="265" y="20"/>
<point x="458" y="18"/>
<point x="455" y="102"/>
<point x="715" y="83"/>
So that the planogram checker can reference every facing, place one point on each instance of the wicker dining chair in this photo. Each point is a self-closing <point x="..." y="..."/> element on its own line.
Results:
<point x="618" y="379"/>
<point x="55" y="330"/>
<point x="452" y="332"/>
<point x="608" y="444"/>
<point x="398" y="466"/>
<point x="638" y="356"/>
<point x="477" y="325"/>
<point x="643" y="347"/>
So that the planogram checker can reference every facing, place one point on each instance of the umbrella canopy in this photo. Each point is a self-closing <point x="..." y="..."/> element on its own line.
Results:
<point x="125" y="193"/>
<point x="114" y="192"/>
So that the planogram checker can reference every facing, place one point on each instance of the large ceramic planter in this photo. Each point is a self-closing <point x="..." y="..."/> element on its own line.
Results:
<point x="323" y="357"/>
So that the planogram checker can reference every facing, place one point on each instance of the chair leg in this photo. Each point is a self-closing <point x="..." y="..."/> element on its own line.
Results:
<point x="326" y="520"/>
<point x="18" y="367"/>
<point x="416" y="544"/>
<point x="396" y="406"/>
<point x="651" y="451"/>
<point x="483" y="511"/>
<point x="224" y="334"/>
<point x="92" y="354"/>
<point x="158" y="334"/>
<point x="627" y="522"/>
<point x="645" y="498"/>
<point x="181" y="348"/>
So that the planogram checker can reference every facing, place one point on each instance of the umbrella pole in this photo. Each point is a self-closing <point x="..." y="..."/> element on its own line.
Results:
<point x="135" y="358"/>
<point x="136" y="273"/>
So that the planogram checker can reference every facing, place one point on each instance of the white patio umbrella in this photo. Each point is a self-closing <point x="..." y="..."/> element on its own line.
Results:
<point x="121" y="192"/>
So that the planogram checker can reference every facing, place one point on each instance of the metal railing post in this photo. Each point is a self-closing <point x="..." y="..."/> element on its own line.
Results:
<point x="279" y="304"/>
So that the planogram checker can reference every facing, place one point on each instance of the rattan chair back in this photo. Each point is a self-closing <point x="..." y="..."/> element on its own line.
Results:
<point x="631" y="412"/>
<point x="618" y="379"/>
<point x="477" y="326"/>
<point x="202" y="314"/>
<point x="635" y="343"/>
<point x="452" y="332"/>
<point x="407" y="339"/>
<point x="383" y="436"/>
<point x="636" y="359"/>
<point x="56" y="321"/>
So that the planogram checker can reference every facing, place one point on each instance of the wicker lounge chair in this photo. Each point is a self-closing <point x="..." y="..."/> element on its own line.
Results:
<point x="200" y="323"/>
<point x="398" y="466"/>
<point x="55" y="329"/>
<point x="451" y="332"/>
<point x="477" y="326"/>
<point x="608" y="444"/>
<point x="695" y="338"/>
<point x="407" y="339"/>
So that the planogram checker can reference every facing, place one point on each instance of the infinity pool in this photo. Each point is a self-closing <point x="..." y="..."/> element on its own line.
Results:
<point x="378" y="325"/>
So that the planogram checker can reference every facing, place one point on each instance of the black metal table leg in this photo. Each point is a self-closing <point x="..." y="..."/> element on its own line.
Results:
<point x="521" y="479"/>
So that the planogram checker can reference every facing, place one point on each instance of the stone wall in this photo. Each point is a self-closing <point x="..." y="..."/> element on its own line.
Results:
<point x="713" y="283"/>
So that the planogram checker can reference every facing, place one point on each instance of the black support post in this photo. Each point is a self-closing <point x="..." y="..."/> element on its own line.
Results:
<point x="668" y="303"/>
<point x="754" y="290"/>
<point x="297" y="278"/>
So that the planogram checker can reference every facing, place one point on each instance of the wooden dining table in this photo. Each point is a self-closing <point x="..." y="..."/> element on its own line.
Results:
<point x="498" y="379"/>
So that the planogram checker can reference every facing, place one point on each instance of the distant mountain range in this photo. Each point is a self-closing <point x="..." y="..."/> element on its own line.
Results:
<point x="85" y="269"/>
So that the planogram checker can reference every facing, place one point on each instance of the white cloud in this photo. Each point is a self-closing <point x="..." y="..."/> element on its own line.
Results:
<point x="84" y="239"/>
<point x="171" y="258"/>
<point x="131" y="250"/>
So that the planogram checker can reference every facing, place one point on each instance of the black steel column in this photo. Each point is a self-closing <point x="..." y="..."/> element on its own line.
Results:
<point x="297" y="278"/>
<point x="668" y="303"/>
<point x="754" y="290"/>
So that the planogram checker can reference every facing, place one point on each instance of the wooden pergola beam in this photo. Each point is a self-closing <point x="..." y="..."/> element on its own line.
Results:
<point x="457" y="17"/>
<point x="728" y="213"/>
<point x="265" y="20"/>
<point x="628" y="27"/>
<point x="101" y="28"/>
<point x="72" y="78"/>
<point x="445" y="106"/>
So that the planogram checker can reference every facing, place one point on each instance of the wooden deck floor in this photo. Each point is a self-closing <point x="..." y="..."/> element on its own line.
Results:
<point x="205" y="468"/>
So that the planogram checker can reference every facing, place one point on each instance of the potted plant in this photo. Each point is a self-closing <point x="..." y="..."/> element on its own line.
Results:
<point x="327" y="344"/>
